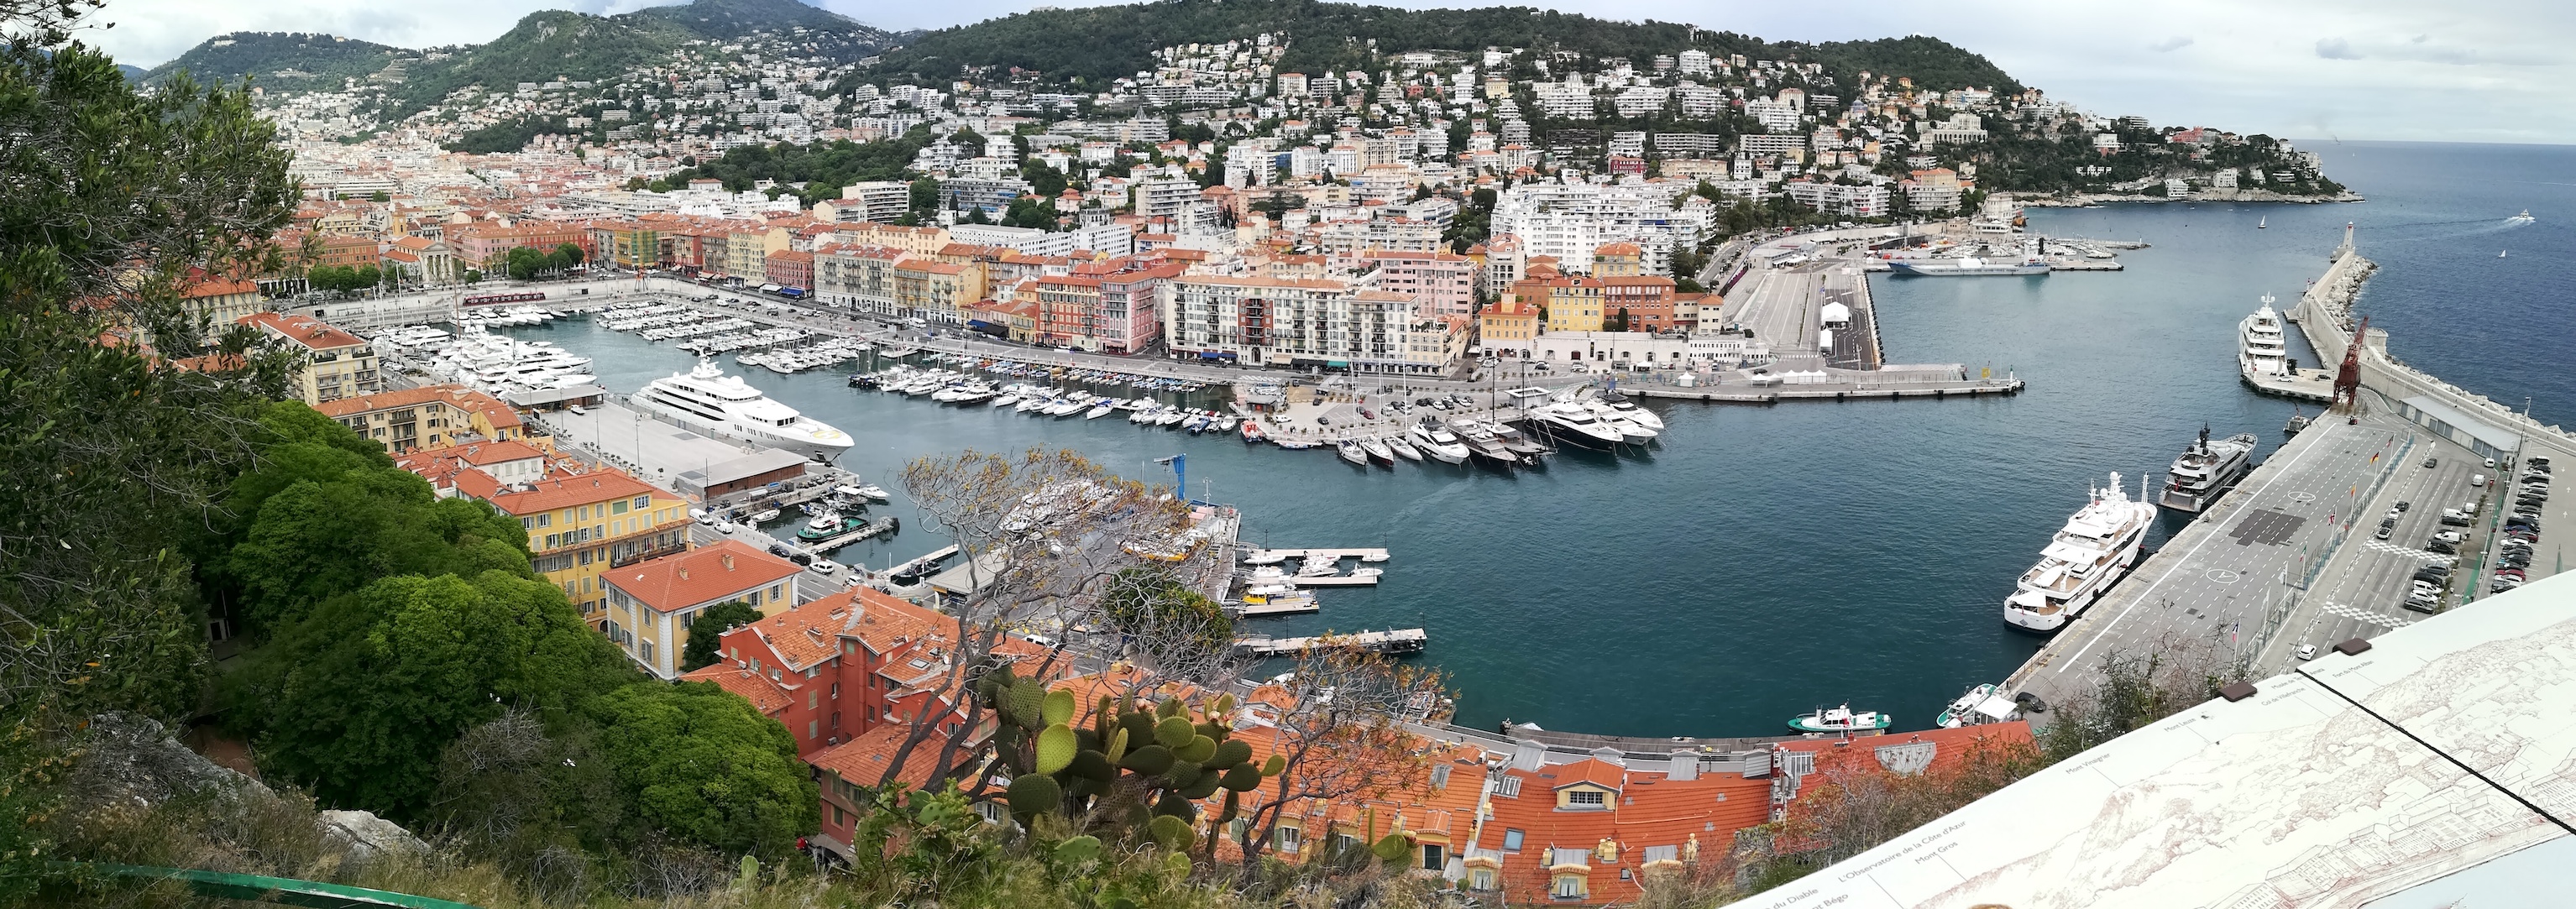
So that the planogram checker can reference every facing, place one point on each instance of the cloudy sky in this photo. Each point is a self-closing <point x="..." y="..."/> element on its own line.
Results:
<point x="2468" y="70"/>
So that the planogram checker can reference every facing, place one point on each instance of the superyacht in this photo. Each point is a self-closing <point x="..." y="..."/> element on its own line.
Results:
<point x="2095" y="548"/>
<point x="707" y="400"/>
<point x="2207" y="470"/>
<point x="2262" y="349"/>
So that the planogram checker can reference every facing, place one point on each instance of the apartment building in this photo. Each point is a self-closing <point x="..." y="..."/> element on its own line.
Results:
<point x="581" y="525"/>
<point x="430" y="416"/>
<point x="336" y="364"/>
<point x="1440" y="283"/>
<point x="650" y="603"/>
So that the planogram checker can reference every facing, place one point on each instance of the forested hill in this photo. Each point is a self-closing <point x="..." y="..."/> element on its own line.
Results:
<point x="293" y="61"/>
<point x="1107" y="42"/>
<point x="579" y="46"/>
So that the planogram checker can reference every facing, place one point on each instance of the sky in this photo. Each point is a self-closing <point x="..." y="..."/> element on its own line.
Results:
<point x="2405" y="70"/>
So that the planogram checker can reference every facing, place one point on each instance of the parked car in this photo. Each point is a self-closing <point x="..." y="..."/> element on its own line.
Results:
<point x="2307" y="651"/>
<point x="2385" y="528"/>
<point x="2402" y="505"/>
<point x="2455" y="522"/>
<point x="2430" y="463"/>
<point x="2441" y="547"/>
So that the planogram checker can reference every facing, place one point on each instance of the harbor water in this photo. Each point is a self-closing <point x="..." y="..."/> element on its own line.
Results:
<point x="1762" y="562"/>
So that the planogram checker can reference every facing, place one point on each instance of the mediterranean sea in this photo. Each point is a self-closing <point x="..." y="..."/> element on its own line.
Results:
<point x="1763" y="562"/>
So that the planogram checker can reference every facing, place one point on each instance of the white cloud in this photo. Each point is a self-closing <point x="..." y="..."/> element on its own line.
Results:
<point x="2471" y="70"/>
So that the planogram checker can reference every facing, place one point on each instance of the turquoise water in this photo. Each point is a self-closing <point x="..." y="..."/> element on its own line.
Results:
<point x="1765" y="561"/>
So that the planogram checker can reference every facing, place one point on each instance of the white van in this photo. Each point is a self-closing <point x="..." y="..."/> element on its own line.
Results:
<point x="2477" y="479"/>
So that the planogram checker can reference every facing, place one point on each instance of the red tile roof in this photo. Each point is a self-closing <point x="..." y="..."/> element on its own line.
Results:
<point x="767" y="696"/>
<point x="699" y="576"/>
<point x="311" y="333"/>
<point x="606" y="484"/>
<point x="863" y="761"/>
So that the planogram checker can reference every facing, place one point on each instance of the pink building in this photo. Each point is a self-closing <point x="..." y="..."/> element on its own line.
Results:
<point x="1439" y="284"/>
<point x="1131" y="309"/>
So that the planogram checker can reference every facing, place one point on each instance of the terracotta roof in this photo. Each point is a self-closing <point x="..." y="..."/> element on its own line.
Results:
<point x="1651" y="810"/>
<point x="768" y="697"/>
<point x="219" y="288"/>
<point x="452" y="395"/>
<point x="607" y="484"/>
<point x="478" y="454"/>
<point x="706" y="575"/>
<point x="313" y="334"/>
<point x="863" y="761"/>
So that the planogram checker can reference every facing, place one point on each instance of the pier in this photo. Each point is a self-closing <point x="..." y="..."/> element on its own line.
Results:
<point x="1393" y="641"/>
<point x="2292" y="558"/>
<point x="2303" y="384"/>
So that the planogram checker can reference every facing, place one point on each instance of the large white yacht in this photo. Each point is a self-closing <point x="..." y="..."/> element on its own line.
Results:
<point x="2092" y="551"/>
<point x="1577" y="424"/>
<point x="707" y="400"/>
<point x="2262" y="349"/>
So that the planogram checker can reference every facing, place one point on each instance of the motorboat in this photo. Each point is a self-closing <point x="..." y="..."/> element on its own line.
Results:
<point x="1378" y="451"/>
<point x="1252" y="431"/>
<point x="1578" y="425"/>
<point x="1101" y="410"/>
<point x="1438" y="442"/>
<point x="1961" y="711"/>
<point x="1840" y="719"/>
<point x="2206" y="470"/>
<point x="764" y="516"/>
<point x="1402" y="448"/>
<point x="1628" y="410"/>
<point x="1316" y="566"/>
<point x="869" y="490"/>
<point x="831" y="523"/>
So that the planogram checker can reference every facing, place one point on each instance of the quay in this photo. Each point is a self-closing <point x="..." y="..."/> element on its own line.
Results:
<point x="2303" y="384"/>
<point x="1393" y="641"/>
<point x="1258" y="556"/>
<point x="2291" y="558"/>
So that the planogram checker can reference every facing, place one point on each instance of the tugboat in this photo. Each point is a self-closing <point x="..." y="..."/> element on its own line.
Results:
<point x="1840" y="719"/>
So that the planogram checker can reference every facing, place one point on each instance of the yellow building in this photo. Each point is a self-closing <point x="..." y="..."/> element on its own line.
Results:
<point x="431" y="416"/>
<point x="747" y="249"/>
<point x="336" y="365"/>
<point x="937" y="291"/>
<point x="581" y="524"/>
<point x="1507" y="328"/>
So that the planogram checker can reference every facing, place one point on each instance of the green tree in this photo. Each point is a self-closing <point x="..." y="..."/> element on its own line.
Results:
<point x="704" y="764"/>
<point x="572" y="255"/>
<point x="706" y="632"/>
<point x="358" y="700"/>
<point x="925" y="196"/>
<point x="1044" y="179"/>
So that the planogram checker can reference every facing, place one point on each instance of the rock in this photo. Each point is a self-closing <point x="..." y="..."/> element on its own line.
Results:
<point x="132" y="760"/>
<point x="364" y="835"/>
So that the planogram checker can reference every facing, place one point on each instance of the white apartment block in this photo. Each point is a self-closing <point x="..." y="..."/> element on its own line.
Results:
<point x="1295" y="323"/>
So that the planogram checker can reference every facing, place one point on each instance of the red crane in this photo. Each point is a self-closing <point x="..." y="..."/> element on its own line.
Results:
<point x="2347" y="387"/>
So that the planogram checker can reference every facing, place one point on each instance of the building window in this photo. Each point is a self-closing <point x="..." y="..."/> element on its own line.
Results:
<point x="1586" y="798"/>
<point x="1284" y="839"/>
<point x="1479" y="879"/>
<point x="648" y="651"/>
<point x="1433" y="856"/>
<point x="839" y="818"/>
<point x="773" y="591"/>
<point x="1511" y="840"/>
<point x="812" y="727"/>
<point x="1569" y="887"/>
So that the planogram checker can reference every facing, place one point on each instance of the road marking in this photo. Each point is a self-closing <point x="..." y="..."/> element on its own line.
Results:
<point x="2359" y="614"/>
<point x="2394" y="549"/>
<point x="2286" y="469"/>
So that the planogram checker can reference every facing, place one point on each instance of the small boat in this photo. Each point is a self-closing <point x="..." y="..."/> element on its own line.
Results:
<point x="1378" y="450"/>
<point x="1367" y="572"/>
<point x="1957" y="714"/>
<point x="1316" y="566"/>
<point x="764" y="516"/>
<point x="2499" y="254"/>
<point x="871" y="491"/>
<point x="829" y="524"/>
<point x="1252" y="431"/>
<point x="2298" y="421"/>
<point x="2520" y="219"/>
<point x="1100" y="411"/>
<point x="1265" y="557"/>
<point x="1351" y="452"/>
<point x="1840" y="719"/>
<point x="2263" y="222"/>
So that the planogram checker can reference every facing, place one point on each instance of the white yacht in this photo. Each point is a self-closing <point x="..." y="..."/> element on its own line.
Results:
<point x="1438" y="442"/>
<point x="2205" y="470"/>
<point x="1578" y="425"/>
<point x="2095" y="548"/>
<point x="706" y="399"/>
<point x="2262" y="349"/>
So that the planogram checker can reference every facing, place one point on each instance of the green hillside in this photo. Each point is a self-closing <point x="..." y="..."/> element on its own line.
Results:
<point x="578" y="46"/>
<point x="287" y="61"/>
<point x="1107" y="42"/>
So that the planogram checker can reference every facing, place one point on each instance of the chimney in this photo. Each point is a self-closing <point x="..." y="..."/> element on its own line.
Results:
<point x="728" y="561"/>
<point x="684" y="572"/>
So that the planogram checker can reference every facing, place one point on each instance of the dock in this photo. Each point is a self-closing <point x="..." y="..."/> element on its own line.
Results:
<point x="1258" y="556"/>
<point x="1392" y="641"/>
<point x="1276" y="608"/>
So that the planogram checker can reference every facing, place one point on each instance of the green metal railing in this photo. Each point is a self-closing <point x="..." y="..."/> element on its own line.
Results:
<point x="280" y="890"/>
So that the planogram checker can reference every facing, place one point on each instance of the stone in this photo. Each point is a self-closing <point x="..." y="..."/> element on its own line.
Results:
<point x="365" y="836"/>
